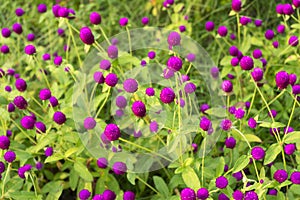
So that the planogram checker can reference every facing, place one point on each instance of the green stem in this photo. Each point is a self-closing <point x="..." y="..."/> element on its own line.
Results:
<point x="103" y="33"/>
<point x="107" y="94"/>
<point x="4" y="180"/>
<point x="145" y="183"/>
<point x="42" y="71"/>
<point x="74" y="43"/>
<point x="16" y="124"/>
<point x="33" y="183"/>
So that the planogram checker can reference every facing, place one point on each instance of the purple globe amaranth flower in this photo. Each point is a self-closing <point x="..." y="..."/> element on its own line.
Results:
<point x="153" y="127"/>
<point x="174" y="39"/>
<point x="232" y="36"/>
<point x="272" y="192"/>
<point x="53" y="101"/>
<point x="23" y="170"/>
<point x="174" y="63"/>
<point x="293" y="41"/>
<point x="251" y="195"/>
<point x="57" y="60"/>
<point x="123" y="21"/>
<point x="209" y="26"/>
<point x="292" y="79"/>
<point x="204" y="107"/>
<point x="257" y="53"/>
<point x="221" y="182"/>
<point x="4" y="142"/>
<point x="230" y="76"/>
<point x="230" y="142"/>
<point x="214" y="71"/>
<point x="40" y="127"/>
<point x="295" y="177"/>
<point x="46" y="56"/>
<point x="232" y="109"/>
<point x="182" y="28"/>
<point x="282" y="79"/>
<point x="269" y="34"/>
<point x="60" y="32"/>
<point x="30" y="37"/>
<point x="223" y="196"/>
<point x="150" y="91"/>
<point x="280" y="28"/>
<point x="233" y="51"/>
<point x="273" y="113"/>
<point x="17" y="28"/>
<point x="99" y="78"/>
<point x="111" y="79"/>
<point x="45" y="94"/>
<point x="112" y="132"/>
<point x="63" y="12"/>
<point x="236" y="5"/>
<point x="279" y="8"/>
<point x="296" y="3"/>
<point x="9" y="156"/>
<point x="27" y="122"/>
<point x="89" y="123"/>
<point x="2" y="167"/>
<point x="48" y="151"/>
<point x="8" y="133"/>
<point x="239" y="113"/>
<point x="19" y="12"/>
<point x="258" y="22"/>
<point x="95" y="18"/>
<point x="138" y="108"/>
<point x="21" y="85"/>
<point x="109" y="195"/>
<point x="246" y="63"/>
<point x="205" y="124"/>
<point x="84" y="194"/>
<point x="121" y="102"/>
<point x="71" y="14"/>
<point x="130" y="85"/>
<point x="244" y="20"/>
<point x="189" y="88"/>
<point x="202" y="194"/>
<point x="252" y="123"/>
<point x="167" y="95"/>
<point x="112" y="51"/>
<point x="194" y="147"/>
<point x="288" y="9"/>
<point x="143" y="63"/>
<point x="222" y="31"/>
<point x="119" y="168"/>
<point x="280" y="175"/>
<point x="226" y="124"/>
<point x="289" y="149"/>
<point x="145" y="20"/>
<point x="105" y="64"/>
<point x="39" y="165"/>
<point x="151" y="54"/>
<point x="257" y="74"/>
<point x="264" y="62"/>
<point x="238" y="176"/>
<point x="129" y="195"/>
<point x="4" y="49"/>
<point x="275" y="44"/>
<point x="102" y="163"/>
<point x="59" y="117"/>
<point x="257" y="153"/>
<point x="227" y="86"/>
<point x="6" y="32"/>
<point x="42" y="8"/>
<point x="237" y="195"/>
<point x="187" y="194"/>
<point x="55" y="9"/>
<point x="20" y="102"/>
<point x="191" y="57"/>
<point x="119" y="113"/>
<point x="86" y="36"/>
<point x="168" y="73"/>
<point x="287" y="130"/>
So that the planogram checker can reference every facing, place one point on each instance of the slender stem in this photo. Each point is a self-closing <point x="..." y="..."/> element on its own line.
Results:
<point x="189" y="68"/>
<point x="74" y="42"/>
<point x="42" y="71"/>
<point x="256" y="171"/>
<point x="202" y="165"/>
<point x="35" y="191"/>
<point x="129" y="40"/>
<point x="238" y="28"/>
<point x="16" y="124"/>
<point x="107" y="94"/>
<point x="251" y="104"/>
<point x="243" y="137"/>
<point x="103" y="33"/>
<point x="145" y="183"/>
<point x="4" y="180"/>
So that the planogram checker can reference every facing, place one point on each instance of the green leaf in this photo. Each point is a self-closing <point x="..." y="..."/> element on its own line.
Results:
<point x="256" y="42"/>
<point x="190" y="178"/>
<point x="292" y="137"/>
<point x="73" y="179"/>
<point x="218" y="112"/>
<point x="272" y="125"/>
<point x="24" y="195"/>
<point x="83" y="172"/>
<point x="54" y="157"/>
<point x="226" y="70"/>
<point x="226" y="61"/>
<point x="161" y="186"/>
<point x="241" y="163"/>
<point x="295" y="26"/>
<point x="131" y="177"/>
<point x="252" y="138"/>
<point x="231" y="13"/>
<point x="272" y="153"/>
<point x="220" y="167"/>
<point x="178" y="7"/>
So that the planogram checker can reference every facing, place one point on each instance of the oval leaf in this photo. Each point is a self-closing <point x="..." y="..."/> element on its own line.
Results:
<point x="272" y="153"/>
<point x="190" y="178"/>
<point x="241" y="163"/>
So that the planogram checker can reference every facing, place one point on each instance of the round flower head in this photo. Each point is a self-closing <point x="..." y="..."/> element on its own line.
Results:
<point x="48" y="151"/>
<point x="42" y="8"/>
<point x="10" y="107"/>
<point x="230" y="142"/>
<point x="233" y="51"/>
<point x="289" y="149"/>
<point x="112" y="52"/>
<point x="258" y="22"/>
<point x="19" y="12"/>
<point x="4" y="49"/>
<point x="174" y="39"/>
<point x="214" y="71"/>
<point x="5" y="32"/>
<point x="168" y="73"/>
<point x="112" y="132"/>
<point x="59" y="117"/>
<point x="273" y="113"/>
<point x="151" y="54"/>
<point x="287" y="130"/>
<point x="119" y="168"/>
<point x="187" y="194"/>
<point x="189" y="88"/>
<point x="205" y="124"/>
<point x="246" y="63"/>
<point x="230" y="76"/>
<point x="30" y="37"/>
<point x="264" y="62"/>
<point x="2" y="167"/>
<point x="95" y="18"/>
<point x="272" y="192"/>
<point x="191" y="57"/>
<point x="251" y="195"/>
<point x="223" y="196"/>
<point x="153" y="127"/>
<point x="209" y="26"/>
<point x="184" y="78"/>
<point x="114" y="41"/>
<point x="17" y="28"/>
<point x="252" y="123"/>
<point x="27" y="122"/>
<point x="111" y="79"/>
<point x="20" y="102"/>
<point x="46" y="56"/>
<point x="129" y="195"/>
<point x="204" y="107"/>
<point x="182" y="28"/>
<point x="21" y="85"/>
<point x="63" y="12"/>
<point x="174" y="63"/>
<point x="288" y="9"/>
<point x="99" y="78"/>
<point x="227" y="86"/>
<point x="295" y="178"/>
<point x="296" y="3"/>
<point x="257" y="74"/>
<point x="238" y="195"/>
<point x="53" y="101"/>
<point x="226" y="124"/>
<point x="221" y="182"/>
<point x="292" y="79"/>
<point x="123" y="21"/>
<point x="279" y="8"/>
<point x="143" y="63"/>
<point x="245" y="20"/>
<point x="222" y="31"/>
<point x="282" y="79"/>
<point x="86" y="35"/>
<point x="236" y="5"/>
<point x="150" y="92"/>
<point x="232" y="109"/>
<point x="280" y="175"/>
<point x="109" y="195"/>
<point x="105" y="64"/>
<point x="202" y="194"/>
<point x="239" y="113"/>
<point x="39" y="165"/>
<point x="45" y="94"/>
<point x="145" y="20"/>
<point x="293" y="41"/>
<point x="280" y="28"/>
<point x="9" y="156"/>
<point x="130" y="85"/>
<point x="257" y="153"/>
<point x="57" y="60"/>
<point x="238" y="176"/>
<point x="4" y="142"/>
<point x="89" y="123"/>
<point x="60" y="32"/>
<point x="257" y="53"/>
<point x="8" y="133"/>
<point x="55" y="9"/>
<point x="275" y="44"/>
<point x="84" y="194"/>
<point x="167" y="95"/>
<point x="269" y="34"/>
<point x="138" y="108"/>
<point x="102" y="163"/>
<point x="121" y="102"/>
